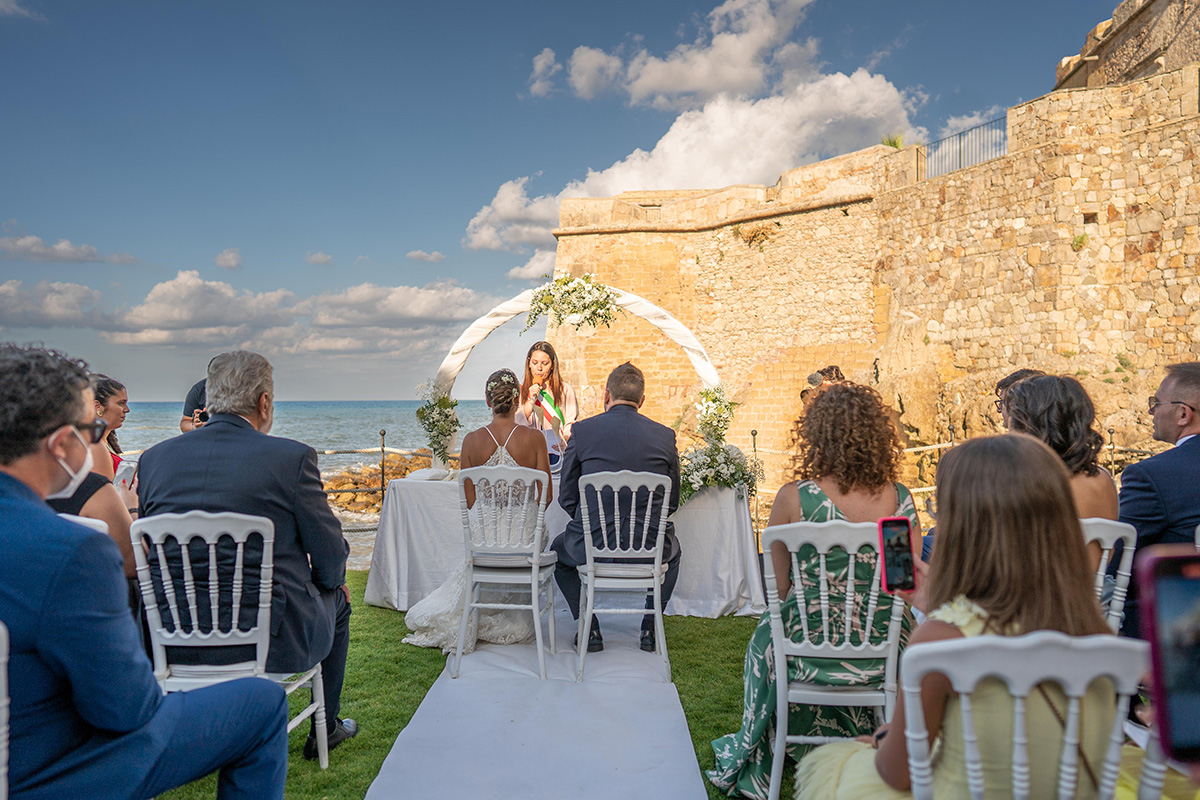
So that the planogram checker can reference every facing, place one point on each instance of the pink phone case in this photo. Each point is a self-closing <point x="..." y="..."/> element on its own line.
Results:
<point x="883" y="573"/>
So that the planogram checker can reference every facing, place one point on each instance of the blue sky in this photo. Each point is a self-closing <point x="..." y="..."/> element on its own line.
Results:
<point x="345" y="186"/>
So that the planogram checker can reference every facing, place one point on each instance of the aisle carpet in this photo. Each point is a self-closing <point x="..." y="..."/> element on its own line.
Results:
<point x="498" y="732"/>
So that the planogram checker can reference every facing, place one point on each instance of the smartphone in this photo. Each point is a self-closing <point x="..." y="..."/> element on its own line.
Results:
<point x="1169" y="581"/>
<point x="895" y="544"/>
<point x="126" y="471"/>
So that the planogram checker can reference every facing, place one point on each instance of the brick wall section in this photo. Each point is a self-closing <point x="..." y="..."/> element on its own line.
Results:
<point x="1074" y="253"/>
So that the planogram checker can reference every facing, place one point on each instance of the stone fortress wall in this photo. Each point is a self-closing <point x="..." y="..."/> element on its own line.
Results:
<point x="1143" y="38"/>
<point x="1076" y="253"/>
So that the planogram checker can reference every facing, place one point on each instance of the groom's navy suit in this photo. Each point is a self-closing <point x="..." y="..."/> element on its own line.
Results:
<point x="1159" y="497"/>
<point x="227" y="465"/>
<point x="618" y="439"/>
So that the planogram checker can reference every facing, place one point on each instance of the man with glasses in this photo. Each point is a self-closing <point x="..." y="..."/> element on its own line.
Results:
<point x="1161" y="495"/>
<point x="87" y="718"/>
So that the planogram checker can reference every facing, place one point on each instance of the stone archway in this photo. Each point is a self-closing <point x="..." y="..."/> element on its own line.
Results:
<point x="479" y="330"/>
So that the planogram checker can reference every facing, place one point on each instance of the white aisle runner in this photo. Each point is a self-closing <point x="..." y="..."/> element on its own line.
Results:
<point x="498" y="732"/>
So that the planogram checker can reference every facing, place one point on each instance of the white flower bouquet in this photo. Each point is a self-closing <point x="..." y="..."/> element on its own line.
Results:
<point x="575" y="301"/>
<point x="716" y="464"/>
<point x="439" y="419"/>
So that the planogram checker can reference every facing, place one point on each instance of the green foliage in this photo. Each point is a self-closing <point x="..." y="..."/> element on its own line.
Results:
<point x="1125" y="361"/>
<point x="439" y="418"/>
<point x="925" y="339"/>
<point x="1079" y="242"/>
<point x="1110" y="380"/>
<point x="1069" y="354"/>
<point x="1081" y="372"/>
<point x="574" y="301"/>
<point x="895" y="140"/>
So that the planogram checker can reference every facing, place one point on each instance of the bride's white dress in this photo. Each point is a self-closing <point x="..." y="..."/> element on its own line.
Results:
<point x="434" y="620"/>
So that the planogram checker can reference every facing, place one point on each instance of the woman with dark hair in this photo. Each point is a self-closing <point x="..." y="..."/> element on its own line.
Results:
<point x="849" y="462"/>
<point x="434" y="620"/>
<point x="1057" y="410"/>
<point x="547" y="401"/>
<point x="112" y="406"/>
<point x="1009" y="561"/>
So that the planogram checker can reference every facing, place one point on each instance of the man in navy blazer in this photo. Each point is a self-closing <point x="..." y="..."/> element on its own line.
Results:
<point x="620" y="438"/>
<point x="87" y="718"/>
<point x="1161" y="495"/>
<point x="231" y="464"/>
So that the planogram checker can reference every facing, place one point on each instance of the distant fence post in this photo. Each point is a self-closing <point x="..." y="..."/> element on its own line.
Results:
<point x="382" y="464"/>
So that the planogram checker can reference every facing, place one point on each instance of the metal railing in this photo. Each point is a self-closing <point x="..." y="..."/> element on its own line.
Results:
<point x="966" y="148"/>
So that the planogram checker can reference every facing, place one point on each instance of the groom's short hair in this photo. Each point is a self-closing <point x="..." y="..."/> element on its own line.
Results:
<point x="626" y="382"/>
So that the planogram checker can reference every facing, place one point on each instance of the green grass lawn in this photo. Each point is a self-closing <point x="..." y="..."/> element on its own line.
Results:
<point x="386" y="681"/>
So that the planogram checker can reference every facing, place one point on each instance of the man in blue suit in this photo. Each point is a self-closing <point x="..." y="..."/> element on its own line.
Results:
<point x="620" y="438"/>
<point x="231" y="464"/>
<point x="87" y="717"/>
<point x="1161" y="495"/>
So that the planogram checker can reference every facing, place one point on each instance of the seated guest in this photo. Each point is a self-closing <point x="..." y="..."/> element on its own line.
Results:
<point x="1158" y="495"/>
<point x="1057" y="410"/>
<point x="1005" y="383"/>
<point x="1010" y="560"/>
<point x="434" y="620"/>
<point x="195" y="412"/>
<point x="87" y="718"/>
<point x="850" y="458"/>
<point x="112" y="406"/>
<point x="232" y="465"/>
<point x="618" y="439"/>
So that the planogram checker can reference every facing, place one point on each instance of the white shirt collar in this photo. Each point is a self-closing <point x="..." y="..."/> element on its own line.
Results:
<point x="1183" y="439"/>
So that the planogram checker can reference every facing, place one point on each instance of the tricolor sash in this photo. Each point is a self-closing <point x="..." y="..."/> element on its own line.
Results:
<point x="550" y="411"/>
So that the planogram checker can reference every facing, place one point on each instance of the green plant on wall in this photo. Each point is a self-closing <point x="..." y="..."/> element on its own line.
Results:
<point x="895" y="140"/>
<point x="1078" y="242"/>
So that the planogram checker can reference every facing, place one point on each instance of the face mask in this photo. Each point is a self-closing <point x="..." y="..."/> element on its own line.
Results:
<point x="76" y="477"/>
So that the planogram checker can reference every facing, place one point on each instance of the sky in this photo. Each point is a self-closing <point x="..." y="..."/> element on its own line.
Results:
<point x="344" y="187"/>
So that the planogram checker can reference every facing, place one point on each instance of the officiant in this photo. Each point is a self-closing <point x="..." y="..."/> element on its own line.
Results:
<point x="547" y="401"/>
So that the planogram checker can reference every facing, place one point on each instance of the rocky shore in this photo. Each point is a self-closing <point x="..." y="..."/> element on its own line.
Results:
<point x="358" y="489"/>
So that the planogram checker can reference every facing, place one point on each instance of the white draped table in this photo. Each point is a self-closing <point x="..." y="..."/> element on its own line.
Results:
<point x="420" y="542"/>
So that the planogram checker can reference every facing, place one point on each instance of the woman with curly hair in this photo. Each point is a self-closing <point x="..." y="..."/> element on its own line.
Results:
<point x="849" y="461"/>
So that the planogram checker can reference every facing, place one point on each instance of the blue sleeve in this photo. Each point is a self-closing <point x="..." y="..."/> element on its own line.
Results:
<point x="568" y="482"/>
<point x="320" y="532"/>
<point x="195" y="397"/>
<point x="89" y="636"/>
<point x="1141" y="506"/>
<point x="673" y="471"/>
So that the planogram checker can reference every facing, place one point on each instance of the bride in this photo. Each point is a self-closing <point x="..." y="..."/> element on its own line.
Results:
<point x="434" y="621"/>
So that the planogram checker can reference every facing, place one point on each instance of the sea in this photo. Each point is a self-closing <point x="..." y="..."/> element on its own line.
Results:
<point x="323" y="425"/>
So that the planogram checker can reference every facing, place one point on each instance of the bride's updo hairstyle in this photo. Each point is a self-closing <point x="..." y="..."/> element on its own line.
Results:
<point x="502" y="391"/>
<point x="1008" y="538"/>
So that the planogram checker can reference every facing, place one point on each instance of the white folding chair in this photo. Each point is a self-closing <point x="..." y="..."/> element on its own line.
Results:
<point x="167" y="540"/>
<point x="3" y="711"/>
<point x="1108" y="532"/>
<point x="625" y="559"/>
<point x="87" y="522"/>
<point x="504" y="533"/>
<point x="861" y="604"/>
<point x="1022" y="663"/>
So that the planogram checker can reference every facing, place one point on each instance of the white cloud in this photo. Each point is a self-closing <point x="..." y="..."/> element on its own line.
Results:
<point x="958" y="124"/>
<point x="187" y="302"/>
<point x="14" y="8"/>
<point x="545" y="65"/>
<point x="592" y="71"/>
<point x="363" y="260"/>
<point x="318" y="258"/>
<point x="541" y="264"/>
<point x="229" y="258"/>
<point x="421" y="255"/>
<point x="438" y="303"/>
<point x="32" y="248"/>
<point x="728" y="141"/>
<point x="512" y="220"/>
<point x="50" y="305"/>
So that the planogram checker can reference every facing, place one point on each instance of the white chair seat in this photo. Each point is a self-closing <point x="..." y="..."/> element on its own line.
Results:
<point x="816" y="694"/>
<point x="513" y="560"/>
<point x="516" y="577"/>
<point x="625" y="571"/>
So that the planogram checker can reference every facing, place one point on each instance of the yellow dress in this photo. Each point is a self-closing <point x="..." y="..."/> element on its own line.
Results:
<point x="846" y="770"/>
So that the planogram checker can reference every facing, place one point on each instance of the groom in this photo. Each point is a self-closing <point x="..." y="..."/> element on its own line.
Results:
<point x="618" y="439"/>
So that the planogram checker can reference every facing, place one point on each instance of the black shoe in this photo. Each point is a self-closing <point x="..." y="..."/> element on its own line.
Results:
<point x="595" y="640"/>
<point x="648" y="641"/>
<point x="346" y="729"/>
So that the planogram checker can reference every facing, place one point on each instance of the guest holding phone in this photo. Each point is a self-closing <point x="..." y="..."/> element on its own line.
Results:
<point x="849" y="459"/>
<point x="547" y="401"/>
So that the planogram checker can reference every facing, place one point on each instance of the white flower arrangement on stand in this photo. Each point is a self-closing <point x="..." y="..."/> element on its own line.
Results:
<point x="716" y="463"/>
<point x="439" y="419"/>
<point x="576" y="301"/>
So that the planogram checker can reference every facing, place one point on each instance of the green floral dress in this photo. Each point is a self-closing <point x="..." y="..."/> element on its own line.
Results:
<point x="744" y="758"/>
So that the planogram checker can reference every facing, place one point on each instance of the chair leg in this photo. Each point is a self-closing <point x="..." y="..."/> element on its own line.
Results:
<point x="585" y="627"/>
<point x="660" y="633"/>
<point x="318" y="690"/>
<point x="550" y="602"/>
<point x="535" y="600"/>
<point x="468" y="590"/>
<point x="779" y="755"/>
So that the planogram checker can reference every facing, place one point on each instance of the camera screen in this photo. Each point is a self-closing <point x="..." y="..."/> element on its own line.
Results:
<point x="898" y="555"/>
<point x="1178" y="613"/>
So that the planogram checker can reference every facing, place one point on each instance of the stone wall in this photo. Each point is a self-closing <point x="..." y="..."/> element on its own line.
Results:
<point x="1143" y="38"/>
<point x="1075" y="253"/>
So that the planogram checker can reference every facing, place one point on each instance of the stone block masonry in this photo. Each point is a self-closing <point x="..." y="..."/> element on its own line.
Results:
<point x="1075" y="253"/>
